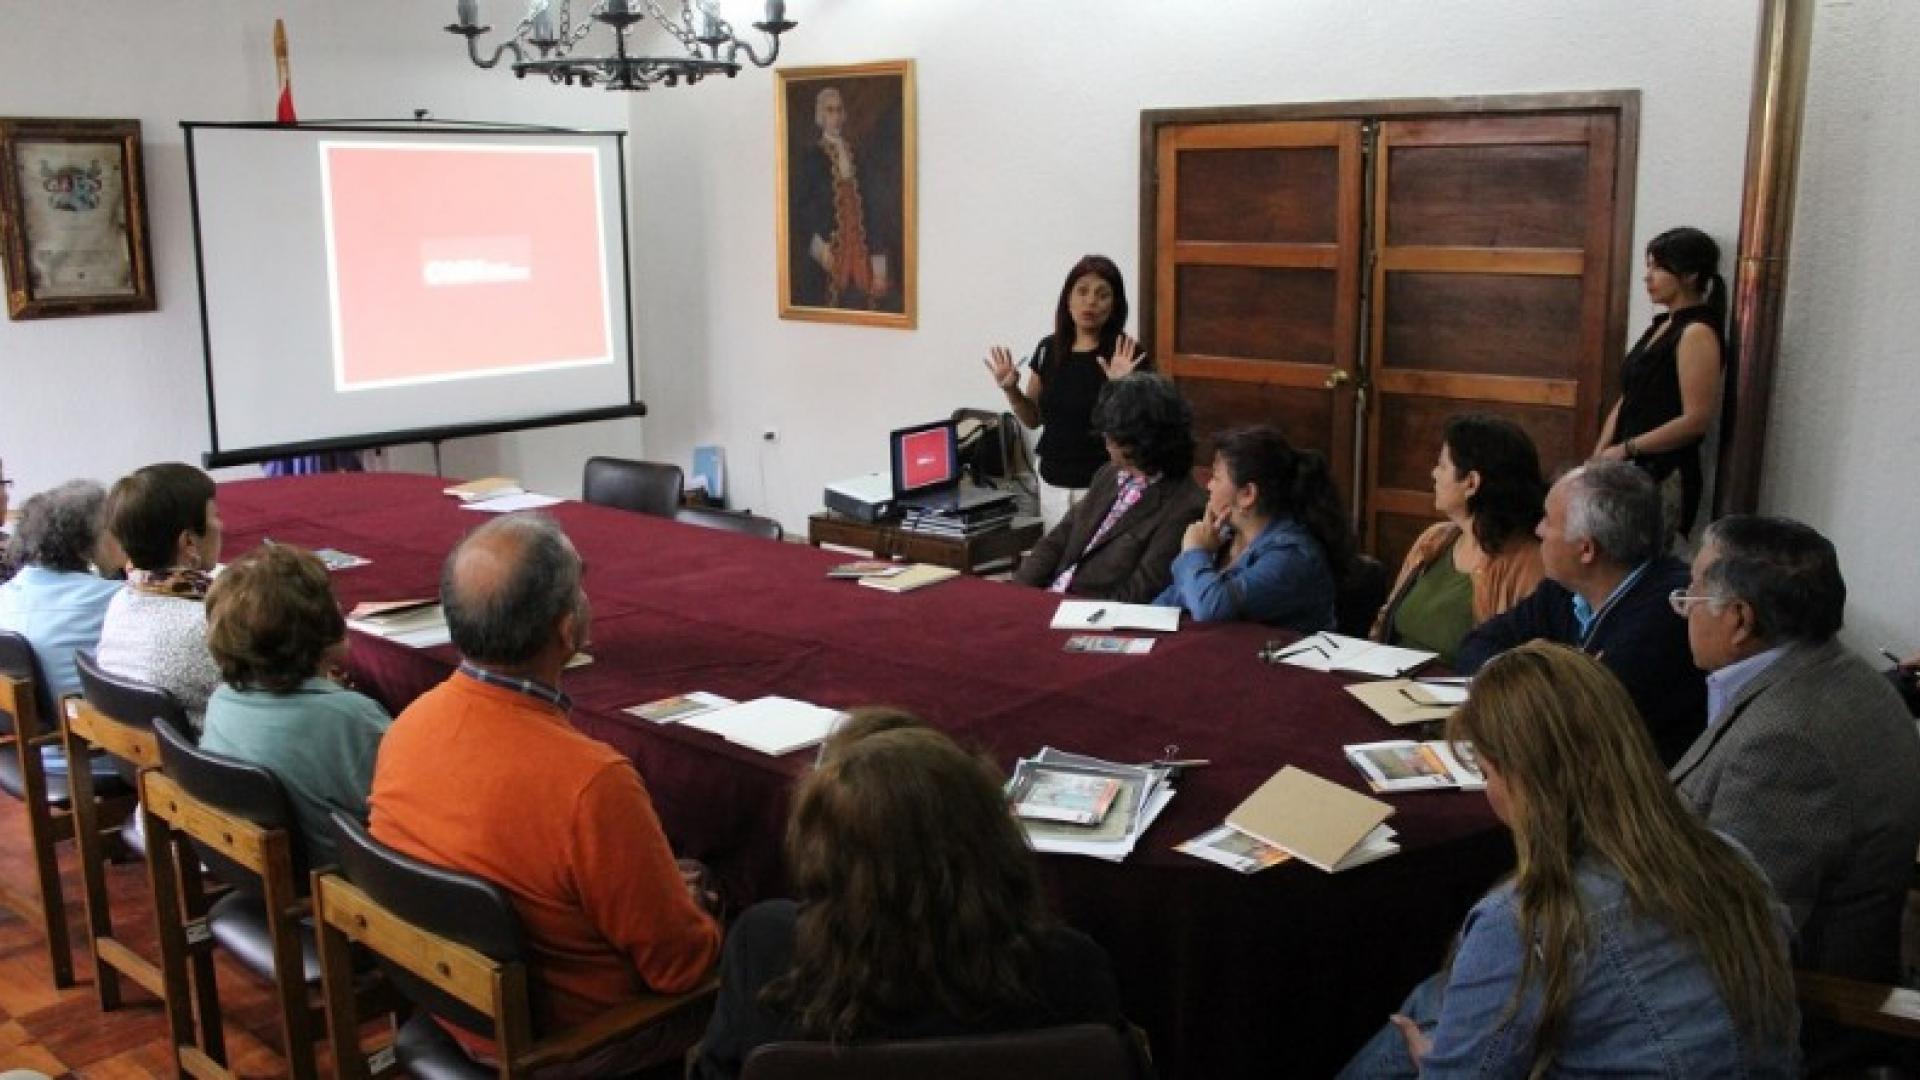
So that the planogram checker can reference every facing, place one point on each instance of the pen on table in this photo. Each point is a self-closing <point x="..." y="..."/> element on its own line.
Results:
<point x="1302" y="646"/>
<point x="1098" y="614"/>
<point x="1888" y="653"/>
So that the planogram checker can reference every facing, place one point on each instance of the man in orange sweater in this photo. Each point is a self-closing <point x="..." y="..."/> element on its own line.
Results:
<point x="484" y="774"/>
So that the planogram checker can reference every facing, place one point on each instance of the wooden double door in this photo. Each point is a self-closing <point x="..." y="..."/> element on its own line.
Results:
<point x="1358" y="280"/>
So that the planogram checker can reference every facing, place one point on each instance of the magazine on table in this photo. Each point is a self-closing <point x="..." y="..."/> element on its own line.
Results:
<point x="1051" y="793"/>
<point x="1233" y="849"/>
<point x="1406" y="765"/>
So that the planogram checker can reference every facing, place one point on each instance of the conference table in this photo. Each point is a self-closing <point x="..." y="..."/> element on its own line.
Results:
<point x="1278" y="973"/>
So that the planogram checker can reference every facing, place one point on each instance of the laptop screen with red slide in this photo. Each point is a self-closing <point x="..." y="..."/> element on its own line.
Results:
<point x="926" y="459"/>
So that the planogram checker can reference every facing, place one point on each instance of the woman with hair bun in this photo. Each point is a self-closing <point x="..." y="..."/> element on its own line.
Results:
<point x="1273" y="541"/>
<point x="1670" y="382"/>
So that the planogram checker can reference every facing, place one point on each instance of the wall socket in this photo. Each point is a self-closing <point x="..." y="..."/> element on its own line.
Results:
<point x="770" y="435"/>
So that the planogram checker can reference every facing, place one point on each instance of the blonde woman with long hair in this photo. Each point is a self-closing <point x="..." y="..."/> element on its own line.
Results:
<point x="1630" y="939"/>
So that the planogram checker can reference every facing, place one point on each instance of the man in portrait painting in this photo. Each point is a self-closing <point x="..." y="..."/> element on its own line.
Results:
<point x="844" y="204"/>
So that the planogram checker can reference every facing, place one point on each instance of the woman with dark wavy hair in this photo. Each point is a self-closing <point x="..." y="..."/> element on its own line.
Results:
<point x="1118" y="543"/>
<point x="1088" y="347"/>
<point x="1274" y="539"/>
<point x="919" y="913"/>
<point x="1484" y="558"/>
<point x="1630" y="939"/>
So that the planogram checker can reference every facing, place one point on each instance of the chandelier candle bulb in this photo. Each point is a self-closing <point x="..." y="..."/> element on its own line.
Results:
<point x="776" y="11"/>
<point x="467" y="12"/>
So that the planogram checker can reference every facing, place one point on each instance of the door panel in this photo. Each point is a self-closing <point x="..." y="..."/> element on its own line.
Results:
<point x="1491" y="281"/>
<point x="1257" y="278"/>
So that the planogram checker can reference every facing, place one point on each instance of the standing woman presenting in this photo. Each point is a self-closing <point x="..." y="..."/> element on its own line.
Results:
<point x="1068" y="369"/>
<point x="1670" y="382"/>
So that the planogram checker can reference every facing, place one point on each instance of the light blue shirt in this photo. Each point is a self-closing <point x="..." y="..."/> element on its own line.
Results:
<point x="1725" y="684"/>
<point x="58" y="612"/>
<point x="1585" y="614"/>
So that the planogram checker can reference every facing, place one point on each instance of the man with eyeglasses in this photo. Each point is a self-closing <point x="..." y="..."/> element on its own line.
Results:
<point x="1606" y="594"/>
<point x="1809" y="758"/>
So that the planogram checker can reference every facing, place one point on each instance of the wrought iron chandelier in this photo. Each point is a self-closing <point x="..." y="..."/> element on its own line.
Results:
<point x="711" y="46"/>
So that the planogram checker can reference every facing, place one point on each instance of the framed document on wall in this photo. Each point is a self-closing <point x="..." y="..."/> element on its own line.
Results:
<point x="73" y="218"/>
<point x="846" y="193"/>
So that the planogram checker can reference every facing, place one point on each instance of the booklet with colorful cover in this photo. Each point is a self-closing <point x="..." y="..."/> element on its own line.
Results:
<point x="1051" y="793"/>
<point x="1406" y="765"/>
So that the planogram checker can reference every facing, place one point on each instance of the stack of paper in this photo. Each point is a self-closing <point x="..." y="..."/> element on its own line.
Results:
<point x="772" y="725"/>
<point x="419" y="624"/>
<point x="487" y="487"/>
<point x="1405" y="765"/>
<point x="1327" y="651"/>
<point x="511" y="502"/>
<point x="1105" y="615"/>
<point x="1317" y="821"/>
<point x="1143" y="793"/>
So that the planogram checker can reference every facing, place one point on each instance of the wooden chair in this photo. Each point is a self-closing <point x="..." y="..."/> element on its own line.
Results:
<point x="26" y="714"/>
<point x="117" y="715"/>
<point x="237" y="819"/>
<point x="452" y="944"/>
<point x="644" y="487"/>
<point x="1080" y="1050"/>
<point x="730" y="521"/>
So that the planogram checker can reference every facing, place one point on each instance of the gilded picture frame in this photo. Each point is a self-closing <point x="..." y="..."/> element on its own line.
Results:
<point x="846" y="230"/>
<point x="73" y="218"/>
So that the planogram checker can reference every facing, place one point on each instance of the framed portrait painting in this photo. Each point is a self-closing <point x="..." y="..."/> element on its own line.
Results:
<point x="73" y="221"/>
<point x="846" y="193"/>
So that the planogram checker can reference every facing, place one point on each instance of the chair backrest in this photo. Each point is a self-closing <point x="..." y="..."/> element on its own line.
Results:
<point x="730" y="521"/>
<point x="129" y="702"/>
<point x="645" y="487"/>
<point x="1079" y="1050"/>
<point x="1359" y="596"/>
<point x="240" y="789"/>
<point x="18" y="661"/>
<point x="460" y="908"/>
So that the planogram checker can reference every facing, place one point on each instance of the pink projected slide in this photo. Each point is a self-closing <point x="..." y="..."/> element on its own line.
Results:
<point x="924" y="460"/>
<point x="450" y="262"/>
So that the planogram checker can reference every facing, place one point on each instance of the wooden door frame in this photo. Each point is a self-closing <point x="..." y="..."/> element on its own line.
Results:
<point x="1625" y="104"/>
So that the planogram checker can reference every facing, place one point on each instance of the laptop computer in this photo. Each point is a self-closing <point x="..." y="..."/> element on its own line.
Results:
<point x="926" y="472"/>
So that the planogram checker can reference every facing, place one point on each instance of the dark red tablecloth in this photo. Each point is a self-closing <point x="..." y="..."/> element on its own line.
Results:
<point x="1277" y="974"/>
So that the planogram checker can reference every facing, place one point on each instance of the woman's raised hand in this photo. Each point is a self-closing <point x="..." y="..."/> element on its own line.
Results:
<point x="999" y="363"/>
<point x="1127" y="355"/>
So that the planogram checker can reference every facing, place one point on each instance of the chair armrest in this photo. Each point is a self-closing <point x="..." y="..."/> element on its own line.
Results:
<point x="613" y="1025"/>
<point x="1851" y="1003"/>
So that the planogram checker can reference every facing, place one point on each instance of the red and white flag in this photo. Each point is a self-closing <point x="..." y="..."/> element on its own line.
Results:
<point x="284" y="112"/>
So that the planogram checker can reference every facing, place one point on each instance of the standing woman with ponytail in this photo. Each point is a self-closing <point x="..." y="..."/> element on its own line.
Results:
<point x="1273" y="540"/>
<point x="1670" y="382"/>
<point x="1069" y="367"/>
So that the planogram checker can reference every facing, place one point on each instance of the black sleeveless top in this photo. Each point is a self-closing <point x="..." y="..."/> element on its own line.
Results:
<point x="1650" y="397"/>
<point x="1070" y="450"/>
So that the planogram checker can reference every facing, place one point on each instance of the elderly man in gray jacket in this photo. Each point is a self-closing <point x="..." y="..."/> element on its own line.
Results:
<point x="1809" y="758"/>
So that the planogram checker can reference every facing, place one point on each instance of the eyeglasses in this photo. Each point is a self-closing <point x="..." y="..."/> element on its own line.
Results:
<point x="1682" y="601"/>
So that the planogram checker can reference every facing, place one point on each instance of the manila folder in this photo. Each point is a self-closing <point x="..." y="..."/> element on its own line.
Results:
<point x="1316" y="820"/>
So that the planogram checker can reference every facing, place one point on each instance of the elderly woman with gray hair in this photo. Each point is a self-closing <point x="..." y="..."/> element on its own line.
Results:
<point x="55" y="600"/>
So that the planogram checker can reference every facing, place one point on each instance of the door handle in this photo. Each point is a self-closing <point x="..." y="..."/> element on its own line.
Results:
<point x="1336" y="379"/>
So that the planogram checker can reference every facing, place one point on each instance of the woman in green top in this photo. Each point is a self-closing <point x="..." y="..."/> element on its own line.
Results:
<point x="275" y="630"/>
<point x="1484" y="557"/>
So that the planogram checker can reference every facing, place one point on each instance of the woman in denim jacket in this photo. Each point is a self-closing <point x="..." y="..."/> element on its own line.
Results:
<point x="1629" y="940"/>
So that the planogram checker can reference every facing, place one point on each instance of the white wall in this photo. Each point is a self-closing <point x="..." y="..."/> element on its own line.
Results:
<point x="1843" y="445"/>
<point x="98" y="396"/>
<point x="1028" y="134"/>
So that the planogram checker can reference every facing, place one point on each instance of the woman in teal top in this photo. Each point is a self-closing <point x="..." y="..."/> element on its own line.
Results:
<point x="275" y="629"/>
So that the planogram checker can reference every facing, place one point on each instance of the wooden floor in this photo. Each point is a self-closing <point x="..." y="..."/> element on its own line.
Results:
<point x="63" y="1032"/>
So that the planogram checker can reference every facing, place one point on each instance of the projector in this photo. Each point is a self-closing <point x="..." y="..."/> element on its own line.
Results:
<point x="868" y="497"/>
